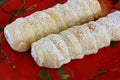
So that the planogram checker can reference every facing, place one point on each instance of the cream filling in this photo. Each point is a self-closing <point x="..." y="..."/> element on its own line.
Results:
<point x="9" y="38"/>
<point x="33" y="53"/>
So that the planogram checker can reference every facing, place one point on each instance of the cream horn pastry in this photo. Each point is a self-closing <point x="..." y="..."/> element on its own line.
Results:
<point x="55" y="50"/>
<point x="21" y="33"/>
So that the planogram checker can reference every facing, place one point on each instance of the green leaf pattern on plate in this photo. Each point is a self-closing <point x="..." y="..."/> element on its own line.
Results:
<point x="44" y="74"/>
<point x="2" y="2"/>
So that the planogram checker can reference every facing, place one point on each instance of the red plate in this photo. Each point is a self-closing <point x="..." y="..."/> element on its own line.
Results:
<point x="105" y="65"/>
